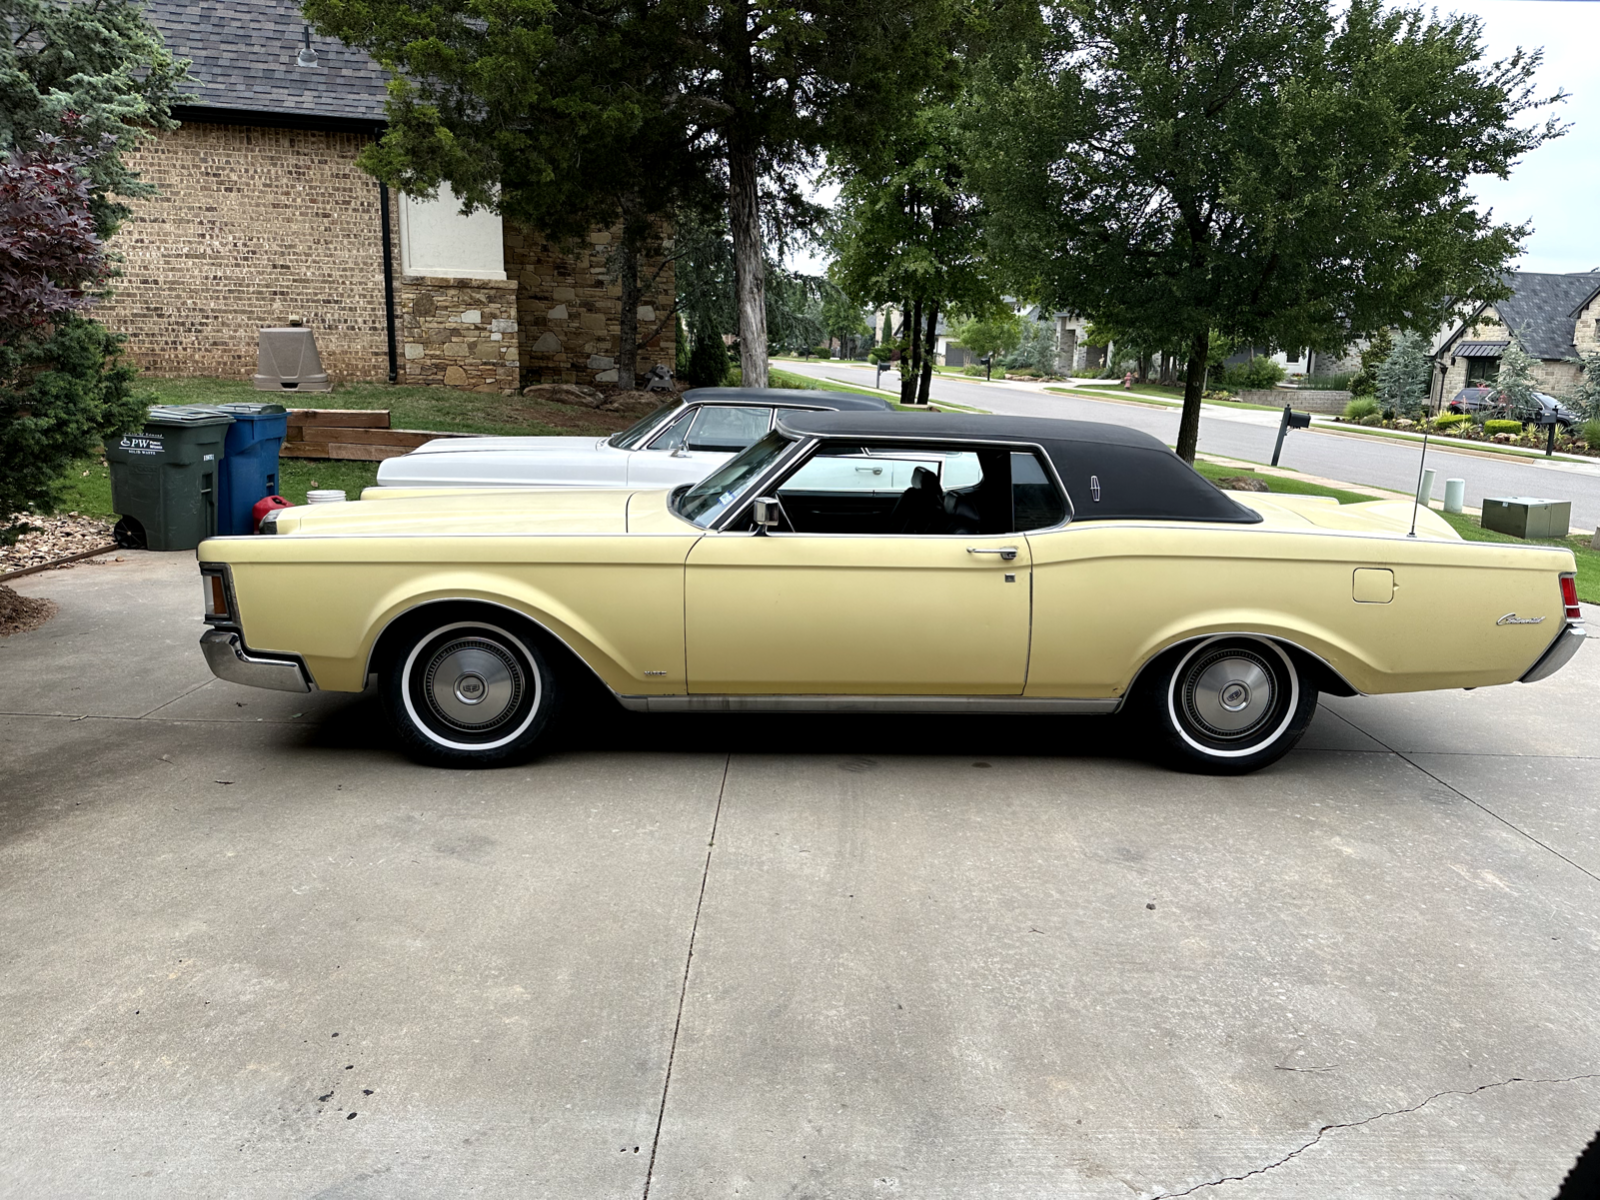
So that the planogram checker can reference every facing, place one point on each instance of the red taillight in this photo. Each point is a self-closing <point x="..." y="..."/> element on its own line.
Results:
<point x="1569" y="597"/>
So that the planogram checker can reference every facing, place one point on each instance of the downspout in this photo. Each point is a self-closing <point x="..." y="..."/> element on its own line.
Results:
<point x="388" y="283"/>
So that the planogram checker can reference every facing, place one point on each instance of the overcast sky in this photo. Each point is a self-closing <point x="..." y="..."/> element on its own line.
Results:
<point x="1557" y="188"/>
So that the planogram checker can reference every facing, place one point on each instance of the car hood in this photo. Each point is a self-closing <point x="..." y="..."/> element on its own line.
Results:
<point x="452" y="512"/>
<point x="529" y="445"/>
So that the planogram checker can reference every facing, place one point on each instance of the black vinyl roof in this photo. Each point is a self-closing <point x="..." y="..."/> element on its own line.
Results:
<point x="838" y="401"/>
<point x="1110" y="473"/>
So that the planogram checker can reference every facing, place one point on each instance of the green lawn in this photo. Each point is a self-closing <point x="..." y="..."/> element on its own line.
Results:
<point x="87" y="484"/>
<point x="444" y="409"/>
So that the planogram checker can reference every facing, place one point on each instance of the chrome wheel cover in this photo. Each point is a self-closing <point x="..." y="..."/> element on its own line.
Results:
<point x="1228" y="693"/>
<point x="472" y="684"/>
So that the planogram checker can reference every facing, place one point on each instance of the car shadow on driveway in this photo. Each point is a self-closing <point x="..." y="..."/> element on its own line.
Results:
<point x="599" y="725"/>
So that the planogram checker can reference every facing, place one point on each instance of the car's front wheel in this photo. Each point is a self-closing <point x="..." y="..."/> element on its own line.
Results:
<point x="1229" y="705"/>
<point x="469" y="692"/>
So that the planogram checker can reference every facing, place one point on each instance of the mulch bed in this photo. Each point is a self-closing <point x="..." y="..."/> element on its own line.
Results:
<point x="54" y="538"/>
<point x="19" y="614"/>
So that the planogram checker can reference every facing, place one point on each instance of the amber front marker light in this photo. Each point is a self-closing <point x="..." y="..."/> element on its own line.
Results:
<point x="216" y="589"/>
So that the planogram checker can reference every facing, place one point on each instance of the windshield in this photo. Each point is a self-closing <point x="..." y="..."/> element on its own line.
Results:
<point x="713" y="495"/>
<point x="630" y="437"/>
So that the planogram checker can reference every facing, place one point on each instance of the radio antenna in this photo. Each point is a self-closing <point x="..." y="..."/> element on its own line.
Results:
<point x="1416" y="496"/>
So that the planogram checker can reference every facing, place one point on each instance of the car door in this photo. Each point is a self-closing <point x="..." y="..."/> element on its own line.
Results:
<point x="872" y="612"/>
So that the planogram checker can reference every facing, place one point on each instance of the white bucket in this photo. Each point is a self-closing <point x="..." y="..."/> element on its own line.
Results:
<point x="325" y="496"/>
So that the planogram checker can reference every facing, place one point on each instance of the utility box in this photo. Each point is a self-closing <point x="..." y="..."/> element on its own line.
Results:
<point x="164" y="480"/>
<point x="1527" y="517"/>
<point x="250" y="470"/>
<point x="287" y="361"/>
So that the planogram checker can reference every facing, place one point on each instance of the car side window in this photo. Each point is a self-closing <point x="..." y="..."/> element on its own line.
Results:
<point x="897" y="490"/>
<point x="672" y="436"/>
<point x="1034" y="498"/>
<point x="728" y="429"/>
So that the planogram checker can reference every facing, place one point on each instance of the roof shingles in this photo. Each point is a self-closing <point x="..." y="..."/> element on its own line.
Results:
<point x="245" y="59"/>
<point x="1542" y="309"/>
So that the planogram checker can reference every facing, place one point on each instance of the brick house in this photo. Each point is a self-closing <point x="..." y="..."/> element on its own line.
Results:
<point x="263" y="214"/>
<point x="1556" y="318"/>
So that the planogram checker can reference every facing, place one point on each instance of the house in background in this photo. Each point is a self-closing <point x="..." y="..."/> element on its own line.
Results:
<point x="263" y="214"/>
<point x="1555" y="317"/>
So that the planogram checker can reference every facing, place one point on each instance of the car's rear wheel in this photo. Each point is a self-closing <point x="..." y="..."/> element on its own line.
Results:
<point x="1229" y="705"/>
<point x="469" y="692"/>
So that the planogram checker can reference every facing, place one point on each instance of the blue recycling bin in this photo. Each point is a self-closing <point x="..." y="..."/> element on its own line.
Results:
<point x="249" y="471"/>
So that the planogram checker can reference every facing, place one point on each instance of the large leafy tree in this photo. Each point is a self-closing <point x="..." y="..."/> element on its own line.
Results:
<point x="542" y="111"/>
<point x="910" y="233"/>
<point x="569" y="111"/>
<point x="1281" y="171"/>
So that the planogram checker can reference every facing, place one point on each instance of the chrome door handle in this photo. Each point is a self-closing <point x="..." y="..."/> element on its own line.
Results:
<point x="1006" y="552"/>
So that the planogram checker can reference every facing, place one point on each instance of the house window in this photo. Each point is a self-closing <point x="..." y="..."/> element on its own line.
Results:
<point x="1482" y="370"/>
<point x="1294" y="356"/>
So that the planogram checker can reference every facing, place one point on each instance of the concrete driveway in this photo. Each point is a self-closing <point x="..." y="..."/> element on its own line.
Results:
<point x="247" y="950"/>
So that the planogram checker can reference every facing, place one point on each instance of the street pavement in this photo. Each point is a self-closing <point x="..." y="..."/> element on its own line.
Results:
<point x="248" y="950"/>
<point x="1250" y="435"/>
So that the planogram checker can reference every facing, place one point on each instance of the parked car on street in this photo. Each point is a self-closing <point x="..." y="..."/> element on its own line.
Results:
<point x="681" y="442"/>
<point x="1545" y="409"/>
<point x="856" y="561"/>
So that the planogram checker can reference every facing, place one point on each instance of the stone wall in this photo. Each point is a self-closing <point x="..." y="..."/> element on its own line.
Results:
<point x="459" y="332"/>
<point x="1303" y="399"/>
<point x="569" y="309"/>
<point x="250" y="226"/>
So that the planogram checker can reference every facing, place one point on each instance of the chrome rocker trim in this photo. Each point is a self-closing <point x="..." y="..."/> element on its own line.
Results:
<point x="833" y="704"/>
<point x="228" y="659"/>
<point x="1558" y="655"/>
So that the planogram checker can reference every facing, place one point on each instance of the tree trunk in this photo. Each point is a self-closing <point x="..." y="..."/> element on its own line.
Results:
<point x="1193" y="385"/>
<point x="628" y="320"/>
<point x="911" y="359"/>
<point x="1144" y="366"/>
<point x="749" y="267"/>
<point x="927" y="354"/>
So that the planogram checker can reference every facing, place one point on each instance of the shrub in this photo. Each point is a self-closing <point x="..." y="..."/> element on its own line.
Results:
<point x="974" y="369"/>
<point x="1450" y="420"/>
<point x="1257" y="373"/>
<point x="822" y="352"/>
<point x="1511" y="427"/>
<point x="708" y="362"/>
<point x="1361" y="408"/>
<point x="1372" y="419"/>
<point x="1591" y="433"/>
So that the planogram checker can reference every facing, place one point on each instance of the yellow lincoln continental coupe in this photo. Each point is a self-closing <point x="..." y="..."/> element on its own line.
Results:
<point x="884" y="562"/>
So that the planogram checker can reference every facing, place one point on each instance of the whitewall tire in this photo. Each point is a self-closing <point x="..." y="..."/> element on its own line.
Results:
<point x="469" y="692"/>
<point x="1229" y="705"/>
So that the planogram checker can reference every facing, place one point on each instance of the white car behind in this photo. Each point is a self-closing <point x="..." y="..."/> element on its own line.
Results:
<point x="683" y="441"/>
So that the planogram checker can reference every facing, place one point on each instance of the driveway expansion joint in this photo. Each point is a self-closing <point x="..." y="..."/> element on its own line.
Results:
<point x="1476" y="803"/>
<point x="1394" y="1112"/>
<point x="683" y="990"/>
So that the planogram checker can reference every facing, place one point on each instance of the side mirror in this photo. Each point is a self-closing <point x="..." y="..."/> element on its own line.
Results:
<point x="767" y="514"/>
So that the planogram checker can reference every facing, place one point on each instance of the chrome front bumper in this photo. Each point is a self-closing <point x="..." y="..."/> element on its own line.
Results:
<point x="228" y="659"/>
<point x="1558" y="655"/>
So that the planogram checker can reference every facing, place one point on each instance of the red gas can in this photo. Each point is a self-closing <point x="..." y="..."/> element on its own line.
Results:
<point x="263" y="507"/>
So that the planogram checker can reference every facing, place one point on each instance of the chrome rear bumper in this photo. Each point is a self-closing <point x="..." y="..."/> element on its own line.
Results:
<point x="1558" y="655"/>
<point x="228" y="659"/>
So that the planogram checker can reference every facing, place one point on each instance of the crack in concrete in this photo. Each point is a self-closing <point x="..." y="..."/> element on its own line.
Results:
<point x="1394" y="1112"/>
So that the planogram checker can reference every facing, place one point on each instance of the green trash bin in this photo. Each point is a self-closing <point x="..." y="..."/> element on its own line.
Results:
<point x="164" y="480"/>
